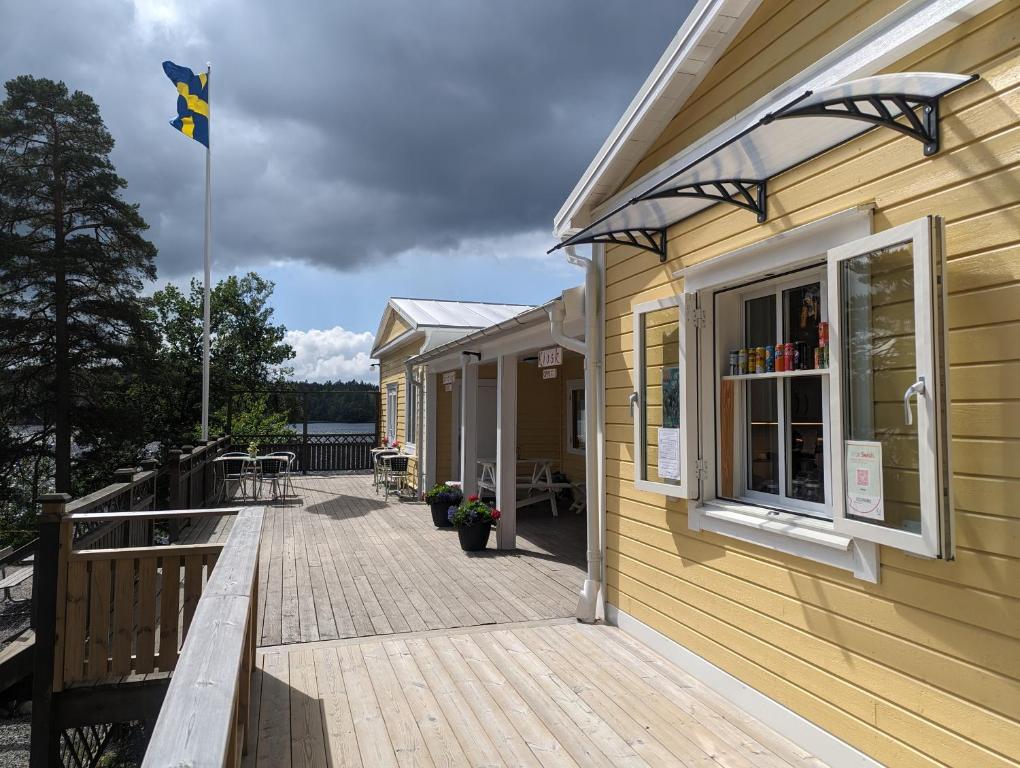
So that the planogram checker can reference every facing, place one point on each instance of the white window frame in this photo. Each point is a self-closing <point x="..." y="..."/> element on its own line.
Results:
<point x="687" y="487"/>
<point x="573" y="385"/>
<point x="410" y="413"/>
<point x="775" y="287"/>
<point x="935" y="538"/>
<point x="797" y="534"/>
<point x="392" y="405"/>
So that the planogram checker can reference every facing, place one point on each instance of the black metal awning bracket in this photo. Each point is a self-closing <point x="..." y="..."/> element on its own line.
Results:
<point x="733" y="191"/>
<point x="923" y="127"/>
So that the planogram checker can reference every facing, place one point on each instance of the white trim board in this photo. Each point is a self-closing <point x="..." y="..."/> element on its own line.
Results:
<point x="819" y="742"/>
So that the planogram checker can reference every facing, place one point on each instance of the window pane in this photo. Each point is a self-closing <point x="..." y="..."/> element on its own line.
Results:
<point x="762" y="437"/>
<point x="760" y="321"/>
<point x="577" y="419"/>
<point x="661" y="397"/>
<point x="805" y="467"/>
<point x="803" y="312"/>
<point x="878" y="357"/>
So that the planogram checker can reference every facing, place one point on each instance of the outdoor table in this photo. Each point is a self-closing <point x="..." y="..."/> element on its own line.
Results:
<point x="251" y="469"/>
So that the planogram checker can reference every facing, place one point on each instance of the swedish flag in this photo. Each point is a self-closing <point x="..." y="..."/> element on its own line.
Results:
<point x="192" y="103"/>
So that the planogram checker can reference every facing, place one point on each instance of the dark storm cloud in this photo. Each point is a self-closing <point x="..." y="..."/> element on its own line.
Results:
<point x="343" y="131"/>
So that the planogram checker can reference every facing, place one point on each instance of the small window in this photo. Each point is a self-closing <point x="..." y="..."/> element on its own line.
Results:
<point x="391" y="413"/>
<point x="773" y="394"/>
<point x="411" y="417"/>
<point x="665" y="432"/>
<point x="575" y="416"/>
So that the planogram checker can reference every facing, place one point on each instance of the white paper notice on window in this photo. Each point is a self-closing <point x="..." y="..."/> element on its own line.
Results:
<point x="864" y="479"/>
<point x="669" y="453"/>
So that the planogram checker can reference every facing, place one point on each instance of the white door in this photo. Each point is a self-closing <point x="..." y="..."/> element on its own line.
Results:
<point x="486" y="419"/>
<point x="455" y="434"/>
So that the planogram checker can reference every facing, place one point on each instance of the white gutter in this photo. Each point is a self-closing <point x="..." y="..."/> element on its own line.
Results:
<point x="589" y="599"/>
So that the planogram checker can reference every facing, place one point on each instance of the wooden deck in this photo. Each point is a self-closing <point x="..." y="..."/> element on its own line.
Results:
<point x="383" y="644"/>
<point x="551" y="693"/>
<point x="338" y="561"/>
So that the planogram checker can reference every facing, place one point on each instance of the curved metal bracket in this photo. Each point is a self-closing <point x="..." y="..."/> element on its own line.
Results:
<point x="653" y="240"/>
<point x="733" y="191"/>
<point x="886" y="109"/>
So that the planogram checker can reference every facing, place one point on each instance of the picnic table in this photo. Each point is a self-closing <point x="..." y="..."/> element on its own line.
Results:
<point x="537" y="483"/>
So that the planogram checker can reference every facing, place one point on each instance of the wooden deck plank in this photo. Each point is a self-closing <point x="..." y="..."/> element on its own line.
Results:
<point x="444" y="747"/>
<point x="373" y="738"/>
<point x="274" y="715"/>
<point x="307" y="741"/>
<point x="341" y="738"/>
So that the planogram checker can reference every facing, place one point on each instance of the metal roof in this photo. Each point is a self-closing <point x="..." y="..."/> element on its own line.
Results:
<point x="454" y="314"/>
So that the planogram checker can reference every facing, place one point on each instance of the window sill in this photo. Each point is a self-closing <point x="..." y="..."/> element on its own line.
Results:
<point x="805" y="537"/>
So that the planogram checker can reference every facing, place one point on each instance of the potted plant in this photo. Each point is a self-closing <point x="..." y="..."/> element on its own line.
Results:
<point x="474" y="520"/>
<point x="253" y="449"/>
<point x="440" y="499"/>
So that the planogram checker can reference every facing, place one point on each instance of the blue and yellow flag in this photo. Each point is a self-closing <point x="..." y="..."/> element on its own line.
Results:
<point x="192" y="103"/>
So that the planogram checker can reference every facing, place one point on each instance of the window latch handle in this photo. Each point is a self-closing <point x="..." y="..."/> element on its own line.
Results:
<point x="917" y="388"/>
<point x="633" y="402"/>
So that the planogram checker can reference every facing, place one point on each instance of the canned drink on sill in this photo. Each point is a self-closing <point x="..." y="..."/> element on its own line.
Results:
<point x="759" y="360"/>
<point x="780" y="357"/>
<point x="734" y="363"/>
<point x="742" y="361"/>
<point x="770" y="359"/>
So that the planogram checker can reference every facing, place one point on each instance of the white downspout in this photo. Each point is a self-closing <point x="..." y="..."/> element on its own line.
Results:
<point x="588" y="602"/>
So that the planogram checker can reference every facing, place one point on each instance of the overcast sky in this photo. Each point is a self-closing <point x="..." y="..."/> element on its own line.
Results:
<point x="361" y="149"/>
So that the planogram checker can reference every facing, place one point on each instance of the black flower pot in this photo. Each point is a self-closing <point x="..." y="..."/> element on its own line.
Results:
<point x="441" y="514"/>
<point x="474" y="537"/>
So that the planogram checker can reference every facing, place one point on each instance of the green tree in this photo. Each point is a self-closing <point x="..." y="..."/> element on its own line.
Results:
<point x="73" y="261"/>
<point x="248" y="354"/>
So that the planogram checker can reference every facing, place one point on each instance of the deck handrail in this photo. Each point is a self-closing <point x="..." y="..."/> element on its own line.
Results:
<point x="205" y="712"/>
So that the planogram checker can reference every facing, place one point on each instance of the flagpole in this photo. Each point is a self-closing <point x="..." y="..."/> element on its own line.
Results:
<point x="206" y="313"/>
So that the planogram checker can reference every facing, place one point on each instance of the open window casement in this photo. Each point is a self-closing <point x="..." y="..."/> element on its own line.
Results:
<point x="888" y="389"/>
<point x="663" y="406"/>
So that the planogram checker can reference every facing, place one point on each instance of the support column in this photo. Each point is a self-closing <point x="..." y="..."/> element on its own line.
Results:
<point x="469" y="427"/>
<point x="432" y="384"/>
<point x="506" y="451"/>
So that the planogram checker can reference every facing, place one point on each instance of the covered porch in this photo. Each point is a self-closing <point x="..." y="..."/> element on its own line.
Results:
<point x="505" y="416"/>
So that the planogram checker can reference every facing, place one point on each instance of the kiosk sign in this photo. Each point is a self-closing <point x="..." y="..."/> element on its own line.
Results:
<point x="864" y="479"/>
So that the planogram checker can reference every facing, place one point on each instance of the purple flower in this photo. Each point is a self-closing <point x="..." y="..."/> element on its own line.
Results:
<point x="450" y="513"/>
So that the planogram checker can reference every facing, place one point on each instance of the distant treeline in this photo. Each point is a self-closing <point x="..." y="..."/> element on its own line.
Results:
<point x="350" y="402"/>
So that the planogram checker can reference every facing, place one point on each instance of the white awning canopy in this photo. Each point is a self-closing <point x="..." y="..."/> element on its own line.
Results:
<point x="736" y="167"/>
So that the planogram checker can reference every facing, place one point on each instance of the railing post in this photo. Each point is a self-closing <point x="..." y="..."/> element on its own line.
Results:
<point x="48" y="584"/>
<point x="125" y="475"/>
<point x="186" y="501"/>
<point x="305" y="456"/>
<point x="207" y="471"/>
<point x="176" y="502"/>
<point x="151" y="465"/>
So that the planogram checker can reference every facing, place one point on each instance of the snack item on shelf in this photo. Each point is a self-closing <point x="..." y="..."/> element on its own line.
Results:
<point x="818" y="357"/>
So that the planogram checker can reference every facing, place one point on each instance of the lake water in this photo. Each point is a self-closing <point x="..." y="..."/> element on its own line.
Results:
<point x="336" y="427"/>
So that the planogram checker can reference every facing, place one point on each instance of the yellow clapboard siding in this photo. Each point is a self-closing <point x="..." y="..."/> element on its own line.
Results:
<point x="919" y="669"/>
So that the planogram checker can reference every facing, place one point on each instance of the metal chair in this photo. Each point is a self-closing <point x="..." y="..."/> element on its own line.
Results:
<point x="224" y="474"/>
<point x="281" y="477"/>
<point x="378" y="466"/>
<point x="395" y="473"/>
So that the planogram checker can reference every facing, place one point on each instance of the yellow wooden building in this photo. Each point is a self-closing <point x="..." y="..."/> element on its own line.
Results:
<point x="806" y="229"/>
<point x="409" y="327"/>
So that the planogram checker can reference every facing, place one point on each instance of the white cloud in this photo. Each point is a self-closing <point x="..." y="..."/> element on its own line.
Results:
<point x="331" y="354"/>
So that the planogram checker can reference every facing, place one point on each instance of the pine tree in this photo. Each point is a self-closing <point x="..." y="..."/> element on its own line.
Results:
<point x="73" y="261"/>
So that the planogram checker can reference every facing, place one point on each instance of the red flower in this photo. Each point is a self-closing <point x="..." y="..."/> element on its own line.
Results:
<point x="495" y="514"/>
<point x="473" y="497"/>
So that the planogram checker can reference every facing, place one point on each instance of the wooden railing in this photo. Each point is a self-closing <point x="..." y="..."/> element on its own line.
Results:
<point x="316" y="452"/>
<point x="111" y="609"/>
<point x="205" y="712"/>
